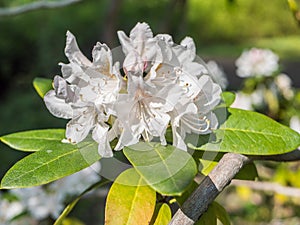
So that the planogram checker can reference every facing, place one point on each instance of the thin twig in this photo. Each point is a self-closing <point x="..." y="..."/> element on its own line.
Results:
<point x="209" y="188"/>
<point x="268" y="186"/>
<point x="12" y="11"/>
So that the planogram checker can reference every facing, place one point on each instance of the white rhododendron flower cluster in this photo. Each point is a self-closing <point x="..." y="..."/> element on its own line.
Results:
<point x="159" y="85"/>
<point x="257" y="62"/>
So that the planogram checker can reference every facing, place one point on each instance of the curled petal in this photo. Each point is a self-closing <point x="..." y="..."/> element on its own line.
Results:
<point x="178" y="138"/>
<point x="57" y="106"/>
<point x="125" y="42"/>
<point x="79" y="127"/>
<point x="127" y="138"/>
<point x="64" y="91"/>
<point x="141" y="32"/>
<point x="100" y="135"/>
<point x="73" y="74"/>
<point x="73" y="52"/>
<point x="102" y="59"/>
<point x="189" y="44"/>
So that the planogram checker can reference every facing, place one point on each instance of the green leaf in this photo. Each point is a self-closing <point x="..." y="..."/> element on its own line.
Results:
<point x="72" y="221"/>
<point x="129" y="200"/>
<point x="47" y="165"/>
<point x="167" y="169"/>
<point x="164" y="215"/>
<point x="36" y="140"/>
<point x="215" y="211"/>
<point x="221" y="213"/>
<point x="208" y="218"/>
<point x="42" y="85"/>
<point x="251" y="133"/>
<point x="228" y="98"/>
<point x="248" y="172"/>
<point x="62" y="218"/>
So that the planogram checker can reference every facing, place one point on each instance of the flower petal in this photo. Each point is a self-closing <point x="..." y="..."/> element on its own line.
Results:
<point x="79" y="127"/>
<point x="100" y="135"/>
<point x="57" y="106"/>
<point x="73" y="52"/>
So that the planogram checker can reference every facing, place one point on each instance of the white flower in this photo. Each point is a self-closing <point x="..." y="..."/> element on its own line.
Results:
<point x="295" y="123"/>
<point x="284" y="84"/>
<point x="164" y="84"/>
<point x="140" y="48"/>
<point x="44" y="201"/>
<point x="144" y="111"/>
<point x="242" y="101"/>
<point x="76" y="183"/>
<point x="193" y="114"/>
<point x="257" y="62"/>
<point x="39" y="202"/>
<point x="9" y="210"/>
<point x="218" y="74"/>
<point x="86" y="94"/>
<point x="174" y="89"/>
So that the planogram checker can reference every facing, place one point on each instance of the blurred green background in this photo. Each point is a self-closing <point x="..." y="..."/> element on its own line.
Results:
<point x="32" y="44"/>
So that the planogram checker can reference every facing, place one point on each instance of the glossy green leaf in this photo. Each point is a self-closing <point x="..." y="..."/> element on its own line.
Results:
<point x="62" y="218"/>
<point x="214" y="212"/>
<point x="35" y="140"/>
<point x="221" y="213"/>
<point x="47" y="165"/>
<point x="228" y="98"/>
<point x="251" y="133"/>
<point x="130" y="200"/>
<point x="42" y="85"/>
<point x="248" y="172"/>
<point x="164" y="215"/>
<point x="166" y="169"/>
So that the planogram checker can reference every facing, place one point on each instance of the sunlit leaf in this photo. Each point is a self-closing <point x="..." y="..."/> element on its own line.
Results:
<point x="47" y="165"/>
<point x="228" y="98"/>
<point x="35" y="140"/>
<point x="129" y="200"/>
<point x="166" y="169"/>
<point x="164" y="215"/>
<point x="251" y="133"/>
<point x="42" y="85"/>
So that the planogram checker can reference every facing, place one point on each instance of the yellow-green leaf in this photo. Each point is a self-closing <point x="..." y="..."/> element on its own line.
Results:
<point x="42" y="85"/>
<point x="164" y="215"/>
<point x="129" y="200"/>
